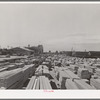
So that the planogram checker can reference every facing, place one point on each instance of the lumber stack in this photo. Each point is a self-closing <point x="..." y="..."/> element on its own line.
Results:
<point x="58" y="83"/>
<point x="83" y="73"/>
<point x="26" y="72"/>
<point x="98" y="72"/>
<point x="70" y="84"/>
<point x="71" y="74"/>
<point x="4" y="64"/>
<point x="8" y="79"/>
<point x="91" y="68"/>
<point x="19" y="65"/>
<point x="11" y="67"/>
<point x="63" y="74"/>
<point x="44" y="83"/>
<point x="3" y="69"/>
<point x="95" y="83"/>
<point x="32" y="69"/>
<point x="82" y="85"/>
<point x="31" y="83"/>
<point x="40" y="82"/>
<point x="42" y="70"/>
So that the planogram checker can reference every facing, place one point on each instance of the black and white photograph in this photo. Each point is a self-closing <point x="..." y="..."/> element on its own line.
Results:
<point x="49" y="46"/>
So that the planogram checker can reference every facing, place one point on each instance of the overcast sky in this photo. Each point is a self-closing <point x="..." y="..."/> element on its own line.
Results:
<point x="56" y="26"/>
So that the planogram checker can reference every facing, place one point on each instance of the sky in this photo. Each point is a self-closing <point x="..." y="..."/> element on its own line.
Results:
<point x="57" y="26"/>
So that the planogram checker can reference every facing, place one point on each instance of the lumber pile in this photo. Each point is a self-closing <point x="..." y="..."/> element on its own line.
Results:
<point x="31" y="83"/>
<point x="26" y="72"/>
<point x="3" y="69"/>
<point x="40" y="82"/>
<point x="71" y="74"/>
<point x="4" y="64"/>
<point x="83" y="73"/>
<point x="82" y="85"/>
<point x="10" y="79"/>
<point x="70" y="84"/>
<point x="11" y="67"/>
<point x="58" y="83"/>
<point x="98" y="72"/>
<point x="19" y="65"/>
<point x="95" y="83"/>
<point x="91" y="69"/>
<point x="42" y="70"/>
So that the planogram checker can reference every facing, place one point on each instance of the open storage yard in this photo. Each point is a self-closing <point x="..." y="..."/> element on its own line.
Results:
<point x="44" y="72"/>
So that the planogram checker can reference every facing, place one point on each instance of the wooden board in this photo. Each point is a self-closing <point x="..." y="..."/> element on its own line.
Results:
<point x="31" y="83"/>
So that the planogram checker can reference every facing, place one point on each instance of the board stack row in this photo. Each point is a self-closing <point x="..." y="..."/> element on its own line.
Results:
<point x="39" y="82"/>
<point x="15" y="78"/>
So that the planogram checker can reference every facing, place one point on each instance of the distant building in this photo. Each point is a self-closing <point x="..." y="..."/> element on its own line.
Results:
<point x="37" y="49"/>
<point x="21" y="51"/>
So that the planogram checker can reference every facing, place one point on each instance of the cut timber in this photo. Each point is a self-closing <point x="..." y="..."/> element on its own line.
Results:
<point x="82" y="85"/>
<point x="26" y="72"/>
<point x="11" y="67"/>
<point x="71" y="74"/>
<point x="48" y="83"/>
<point x="35" y="84"/>
<point x="63" y="74"/>
<point x="95" y="83"/>
<point x="70" y="84"/>
<point x="41" y="85"/>
<point x="58" y="84"/>
<point x="31" y="83"/>
<point x="7" y="78"/>
<point x="44" y="82"/>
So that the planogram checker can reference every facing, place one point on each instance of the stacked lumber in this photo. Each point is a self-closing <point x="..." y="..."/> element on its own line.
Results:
<point x="42" y="69"/>
<point x="31" y="82"/>
<point x="32" y="69"/>
<point x="97" y="65"/>
<point x="95" y="83"/>
<point x="44" y="83"/>
<point x="70" y="84"/>
<point x="98" y="72"/>
<point x="63" y="74"/>
<point x="72" y="67"/>
<point x="8" y="79"/>
<point x="40" y="82"/>
<point x="3" y="69"/>
<point x="11" y="67"/>
<point x="58" y="83"/>
<point x="91" y="68"/>
<point x="26" y="72"/>
<point x="4" y="64"/>
<point x="82" y="85"/>
<point x="83" y="73"/>
<point x="19" y="65"/>
<point x="71" y="74"/>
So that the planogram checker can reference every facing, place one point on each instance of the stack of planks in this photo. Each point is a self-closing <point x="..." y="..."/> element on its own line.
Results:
<point x="95" y="83"/>
<point x="28" y="71"/>
<point x="40" y="82"/>
<point x="91" y="68"/>
<point x="70" y="84"/>
<point x="71" y="74"/>
<point x="98" y="72"/>
<point x="82" y="85"/>
<point x="11" y="79"/>
<point x="19" y="65"/>
<point x="42" y="70"/>
<point x="83" y="73"/>
<point x="53" y="75"/>
<point x="71" y="81"/>
<point x="4" y="64"/>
